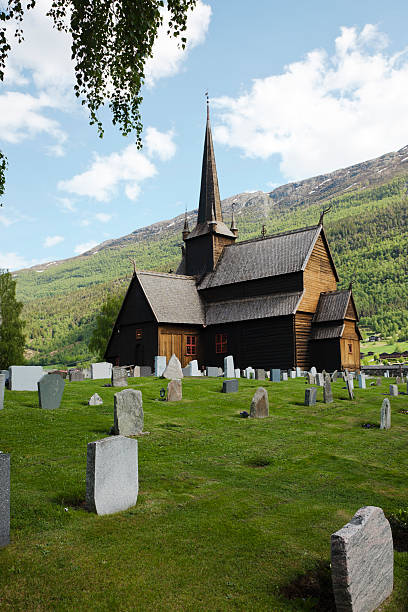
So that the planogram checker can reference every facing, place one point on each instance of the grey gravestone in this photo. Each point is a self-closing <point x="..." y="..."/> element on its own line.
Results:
<point x="362" y="561"/>
<point x="136" y="371"/>
<point x="298" y="372"/>
<point x="145" y="371"/>
<point x="259" y="374"/>
<point x="284" y="376"/>
<point x="248" y="371"/>
<point x="311" y="380"/>
<point x="173" y="370"/>
<point x="95" y="400"/>
<point x="50" y="391"/>
<point x="350" y="388"/>
<point x="386" y="374"/>
<point x="112" y="480"/>
<point x="260" y="404"/>
<point x="174" y="391"/>
<point x="334" y="376"/>
<point x="87" y="373"/>
<point x="310" y="396"/>
<point x="313" y="371"/>
<point x="119" y="377"/>
<point x="361" y="381"/>
<point x="6" y="374"/>
<point x="101" y="370"/>
<point x="2" y="386"/>
<point x="159" y="365"/>
<point x="320" y="379"/>
<point x="378" y="382"/>
<point x="25" y="378"/>
<point x="191" y="369"/>
<point x="398" y="380"/>
<point x="128" y="412"/>
<point x="237" y="373"/>
<point x="76" y="375"/>
<point x="327" y="391"/>
<point x="229" y="369"/>
<point x="394" y="390"/>
<point x="385" y="414"/>
<point x="230" y="386"/>
<point x="213" y="372"/>
<point x="292" y="373"/>
<point x="4" y="499"/>
<point x="275" y="375"/>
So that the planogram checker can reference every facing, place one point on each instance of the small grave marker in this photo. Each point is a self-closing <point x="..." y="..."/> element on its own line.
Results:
<point x="145" y="371"/>
<point x="229" y="369"/>
<point x="310" y="396"/>
<point x="230" y="386"/>
<point x="327" y="391"/>
<point x="119" y="377"/>
<point x="260" y="404"/>
<point x="128" y="412"/>
<point x="260" y="374"/>
<point x="385" y="414"/>
<point x="174" y="391"/>
<point x="275" y="375"/>
<point x="394" y="390"/>
<point x="95" y="400"/>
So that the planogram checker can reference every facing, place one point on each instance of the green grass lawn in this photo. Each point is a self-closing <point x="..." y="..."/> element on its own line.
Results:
<point x="232" y="514"/>
<point x="383" y="346"/>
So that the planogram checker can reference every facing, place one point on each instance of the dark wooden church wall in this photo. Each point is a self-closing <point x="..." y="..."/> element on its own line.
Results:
<point x="303" y="326"/>
<point x="200" y="255"/>
<point x="131" y="350"/>
<point x="261" y="286"/>
<point x="260" y="343"/>
<point x="326" y="354"/>
<point x="136" y="308"/>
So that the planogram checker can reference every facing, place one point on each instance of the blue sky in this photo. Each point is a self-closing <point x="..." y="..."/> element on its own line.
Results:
<point x="296" y="88"/>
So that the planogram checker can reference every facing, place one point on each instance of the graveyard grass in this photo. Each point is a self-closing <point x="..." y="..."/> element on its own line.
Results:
<point x="232" y="514"/>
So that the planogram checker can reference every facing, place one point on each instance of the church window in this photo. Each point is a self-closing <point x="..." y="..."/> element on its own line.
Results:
<point x="191" y="345"/>
<point x="220" y="343"/>
<point x="350" y="348"/>
<point x="139" y="334"/>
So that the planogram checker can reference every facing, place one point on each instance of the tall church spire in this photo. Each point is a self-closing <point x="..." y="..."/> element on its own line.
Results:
<point x="210" y="204"/>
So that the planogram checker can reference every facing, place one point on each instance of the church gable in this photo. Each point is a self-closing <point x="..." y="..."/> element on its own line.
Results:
<point x="319" y="274"/>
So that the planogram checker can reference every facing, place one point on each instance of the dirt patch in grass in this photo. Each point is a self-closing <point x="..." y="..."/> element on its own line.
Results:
<point x="258" y="462"/>
<point x="314" y="588"/>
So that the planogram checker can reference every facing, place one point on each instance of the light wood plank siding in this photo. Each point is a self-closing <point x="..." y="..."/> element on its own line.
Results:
<point x="318" y="277"/>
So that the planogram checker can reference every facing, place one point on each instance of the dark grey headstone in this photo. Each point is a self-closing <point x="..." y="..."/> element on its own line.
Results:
<point x="310" y="396"/>
<point x="334" y="376"/>
<point x="6" y="374"/>
<point x="119" y="377"/>
<point x="212" y="371"/>
<point x="362" y="562"/>
<point x="2" y="386"/>
<point x="260" y="404"/>
<point x="260" y="374"/>
<point x="275" y="375"/>
<point x="112" y="479"/>
<point x="320" y="379"/>
<point x="128" y="412"/>
<point x="50" y="390"/>
<point x="145" y="371"/>
<point x="327" y="391"/>
<point x="4" y="499"/>
<point x="394" y="390"/>
<point x="76" y="375"/>
<point x="230" y="386"/>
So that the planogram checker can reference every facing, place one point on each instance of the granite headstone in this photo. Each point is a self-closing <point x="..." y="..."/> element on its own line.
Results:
<point x="260" y="404"/>
<point x="50" y="391"/>
<point x="173" y="370"/>
<point x="385" y="414"/>
<point x="174" y="391"/>
<point x="230" y="386"/>
<point x="4" y="499"/>
<point x="128" y="412"/>
<point x="310" y="396"/>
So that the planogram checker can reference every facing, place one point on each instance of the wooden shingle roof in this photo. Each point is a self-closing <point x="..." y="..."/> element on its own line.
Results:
<point x="332" y="306"/>
<point x="272" y="256"/>
<point x="327" y="332"/>
<point x="173" y="298"/>
<point x="245" y="309"/>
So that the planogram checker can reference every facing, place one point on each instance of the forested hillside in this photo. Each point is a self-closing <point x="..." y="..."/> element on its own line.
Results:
<point x="367" y="230"/>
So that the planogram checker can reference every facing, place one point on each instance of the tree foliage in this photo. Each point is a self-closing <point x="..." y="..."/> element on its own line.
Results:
<point x="12" y="338"/>
<point x="104" y="323"/>
<point x="111" y="41"/>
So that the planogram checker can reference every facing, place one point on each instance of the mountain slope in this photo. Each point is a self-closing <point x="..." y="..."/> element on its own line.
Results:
<point x="367" y="229"/>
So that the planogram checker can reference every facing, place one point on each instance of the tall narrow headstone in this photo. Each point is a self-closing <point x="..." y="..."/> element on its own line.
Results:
<point x="159" y="365"/>
<point x="248" y="371"/>
<point x="173" y="370"/>
<point x="327" y="391"/>
<point x="320" y="379"/>
<point x="311" y="380"/>
<point x="386" y="374"/>
<point x="128" y="412"/>
<point x="350" y="387"/>
<point x="313" y="371"/>
<point x="284" y="376"/>
<point x="2" y="386"/>
<point x="362" y="561"/>
<point x="334" y="376"/>
<point x="385" y="414"/>
<point x="50" y="391"/>
<point x="260" y="404"/>
<point x="119" y="377"/>
<point x="260" y="374"/>
<point x="298" y="372"/>
<point x="310" y="396"/>
<point x="275" y="375"/>
<point x="112" y="479"/>
<point x="237" y="373"/>
<point x="174" y="391"/>
<point x="4" y="499"/>
<point x="292" y="373"/>
<point x="136" y="371"/>
<point x="229" y="370"/>
<point x="394" y="390"/>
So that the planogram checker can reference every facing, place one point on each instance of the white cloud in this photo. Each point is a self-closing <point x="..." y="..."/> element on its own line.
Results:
<point x="21" y="117"/>
<point x="103" y="217"/>
<point x="160" y="143"/>
<point x="167" y="55"/>
<point x="85" y="223"/>
<point x="129" y="167"/>
<point x="14" y="261"/>
<point x="66" y="204"/>
<point x="323" y="112"/>
<point x="85" y="246"/>
<point x="51" y="241"/>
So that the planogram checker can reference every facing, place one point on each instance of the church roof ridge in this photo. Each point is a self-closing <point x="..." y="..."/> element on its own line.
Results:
<point x="166" y="274"/>
<point x="278" y="235"/>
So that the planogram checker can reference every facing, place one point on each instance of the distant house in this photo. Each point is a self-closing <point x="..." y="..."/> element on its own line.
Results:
<point x="374" y="338"/>
<point x="270" y="302"/>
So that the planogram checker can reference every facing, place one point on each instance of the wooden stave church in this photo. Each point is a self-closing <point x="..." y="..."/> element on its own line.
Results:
<point x="271" y="302"/>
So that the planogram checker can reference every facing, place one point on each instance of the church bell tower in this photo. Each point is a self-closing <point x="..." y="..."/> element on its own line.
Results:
<point x="205" y="243"/>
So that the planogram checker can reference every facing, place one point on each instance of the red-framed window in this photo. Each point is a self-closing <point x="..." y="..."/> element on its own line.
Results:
<point x="350" y="346"/>
<point x="220" y="343"/>
<point x="139" y="334"/>
<point x="191" y="345"/>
